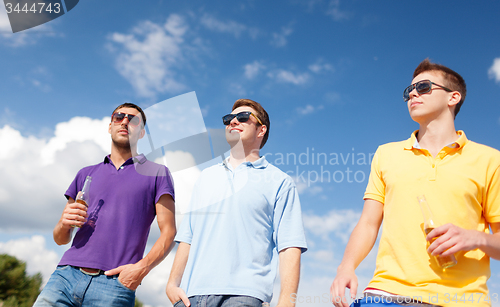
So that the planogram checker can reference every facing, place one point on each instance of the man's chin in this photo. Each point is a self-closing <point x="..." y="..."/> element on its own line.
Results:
<point x="125" y="144"/>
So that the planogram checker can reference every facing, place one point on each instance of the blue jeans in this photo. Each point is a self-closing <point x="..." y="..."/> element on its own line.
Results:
<point x="68" y="286"/>
<point x="221" y="301"/>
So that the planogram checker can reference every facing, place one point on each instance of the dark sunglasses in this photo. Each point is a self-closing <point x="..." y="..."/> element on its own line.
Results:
<point x="422" y="87"/>
<point x="133" y="120"/>
<point x="241" y="117"/>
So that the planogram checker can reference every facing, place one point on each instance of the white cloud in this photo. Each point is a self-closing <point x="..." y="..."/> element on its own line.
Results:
<point x="253" y="69"/>
<point x="88" y="130"/>
<point x="308" y="109"/>
<point x="335" y="11"/>
<point x="494" y="71"/>
<point x="214" y="24"/>
<point x="320" y="66"/>
<point x="338" y="223"/>
<point x="237" y="89"/>
<point x="280" y="39"/>
<point x="323" y="256"/>
<point x="147" y="57"/>
<point x="43" y="169"/>
<point x="285" y="76"/>
<point x="151" y="292"/>
<point x="34" y="252"/>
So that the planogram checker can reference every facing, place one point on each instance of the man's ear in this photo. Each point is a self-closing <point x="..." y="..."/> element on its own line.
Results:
<point x="263" y="130"/>
<point x="454" y="98"/>
<point x="143" y="132"/>
<point x="109" y="128"/>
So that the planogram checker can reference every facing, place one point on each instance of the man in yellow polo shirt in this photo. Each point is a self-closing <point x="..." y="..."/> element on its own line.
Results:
<point x="461" y="182"/>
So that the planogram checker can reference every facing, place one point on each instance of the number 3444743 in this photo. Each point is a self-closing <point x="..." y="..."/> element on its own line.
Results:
<point x="35" y="8"/>
<point x="473" y="297"/>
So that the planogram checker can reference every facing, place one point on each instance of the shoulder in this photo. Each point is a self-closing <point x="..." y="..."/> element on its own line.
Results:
<point x="278" y="177"/>
<point x="393" y="146"/>
<point x="482" y="151"/>
<point x="88" y="170"/>
<point x="213" y="169"/>
<point x="151" y="168"/>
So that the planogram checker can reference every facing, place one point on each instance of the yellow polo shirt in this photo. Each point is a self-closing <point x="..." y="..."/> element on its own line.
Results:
<point x="462" y="186"/>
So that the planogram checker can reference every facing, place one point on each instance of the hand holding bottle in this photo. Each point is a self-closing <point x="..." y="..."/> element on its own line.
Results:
<point x="429" y="224"/>
<point x="81" y="199"/>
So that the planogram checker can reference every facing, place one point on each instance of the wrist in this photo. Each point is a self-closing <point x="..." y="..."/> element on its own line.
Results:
<point x="345" y="268"/>
<point x="173" y="284"/>
<point x="142" y="267"/>
<point x="483" y="241"/>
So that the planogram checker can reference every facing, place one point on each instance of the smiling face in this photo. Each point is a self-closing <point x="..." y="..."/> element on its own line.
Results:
<point x="124" y="135"/>
<point x="435" y="104"/>
<point x="250" y="133"/>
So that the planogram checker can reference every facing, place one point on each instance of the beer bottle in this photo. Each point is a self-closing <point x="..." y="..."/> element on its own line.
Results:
<point x="83" y="195"/>
<point x="429" y="224"/>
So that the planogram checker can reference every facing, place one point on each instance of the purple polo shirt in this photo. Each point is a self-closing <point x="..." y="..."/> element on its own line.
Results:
<point x="121" y="210"/>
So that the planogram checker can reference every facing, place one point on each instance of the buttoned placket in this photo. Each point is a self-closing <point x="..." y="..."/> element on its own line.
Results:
<point x="436" y="161"/>
<point x="233" y="173"/>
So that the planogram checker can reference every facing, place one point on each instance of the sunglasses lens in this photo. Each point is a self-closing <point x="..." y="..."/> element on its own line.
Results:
<point x="117" y="117"/>
<point x="423" y="87"/>
<point x="226" y="119"/>
<point x="134" y="120"/>
<point x="406" y="93"/>
<point x="243" y="116"/>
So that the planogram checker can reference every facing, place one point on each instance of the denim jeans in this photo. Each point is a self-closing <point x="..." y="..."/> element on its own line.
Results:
<point x="221" y="301"/>
<point x="68" y="286"/>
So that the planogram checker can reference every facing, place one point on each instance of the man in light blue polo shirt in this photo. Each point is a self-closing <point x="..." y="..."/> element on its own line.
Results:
<point x="245" y="214"/>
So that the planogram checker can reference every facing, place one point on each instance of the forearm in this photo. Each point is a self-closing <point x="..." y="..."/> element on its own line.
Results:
<point x="360" y="243"/>
<point x="289" y="275"/>
<point x="181" y="258"/>
<point x="159" y="251"/>
<point x="61" y="234"/>
<point x="490" y="244"/>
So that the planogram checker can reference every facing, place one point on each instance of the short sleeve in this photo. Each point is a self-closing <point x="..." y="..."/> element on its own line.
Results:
<point x="376" y="186"/>
<point x="164" y="184"/>
<point x="288" y="225"/>
<point x="76" y="185"/>
<point x="491" y="206"/>
<point x="185" y="231"/>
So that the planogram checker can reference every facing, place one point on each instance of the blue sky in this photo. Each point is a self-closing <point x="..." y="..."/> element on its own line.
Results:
<point x="330" y="74"/>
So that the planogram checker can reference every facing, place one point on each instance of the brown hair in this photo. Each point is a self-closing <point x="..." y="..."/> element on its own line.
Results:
<point x="134" y="106"/>
<point x="452" y="79"/>
<point x="261" y="114"/>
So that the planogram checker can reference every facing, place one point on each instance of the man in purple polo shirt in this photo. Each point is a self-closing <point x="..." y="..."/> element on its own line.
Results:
<point x="105" y="263"/>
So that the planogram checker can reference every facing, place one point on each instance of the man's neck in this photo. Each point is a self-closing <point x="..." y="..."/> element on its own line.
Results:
<point x="434" y="136"/>
<point x="120" y="155"/>
<point x="237" y="157"/>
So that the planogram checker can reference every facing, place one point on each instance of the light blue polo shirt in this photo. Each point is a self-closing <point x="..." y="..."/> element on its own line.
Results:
<point x="238" y="222"/>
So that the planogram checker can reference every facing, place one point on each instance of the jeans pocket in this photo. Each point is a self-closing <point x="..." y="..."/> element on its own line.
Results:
<point x="122" y="285"/>
<point x="179" y="303"/>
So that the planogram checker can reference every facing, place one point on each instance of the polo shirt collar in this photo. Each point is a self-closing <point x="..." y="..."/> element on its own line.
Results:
<point x="137" y="159"/>
<point x="412" y="142"/>
<point x="260" y="163"/>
